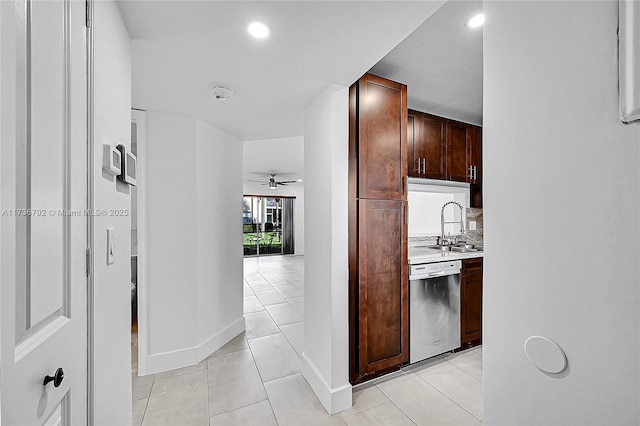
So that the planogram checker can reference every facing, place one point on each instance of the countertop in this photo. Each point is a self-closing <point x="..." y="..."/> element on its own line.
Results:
<point x="427" y="255"/>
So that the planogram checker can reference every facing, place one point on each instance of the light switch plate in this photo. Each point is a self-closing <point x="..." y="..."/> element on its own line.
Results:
<point x="111" y="245"/>
<point x="472" y="225"/>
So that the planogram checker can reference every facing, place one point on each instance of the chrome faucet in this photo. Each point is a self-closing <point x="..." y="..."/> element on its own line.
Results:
<point x="442" y="221"/>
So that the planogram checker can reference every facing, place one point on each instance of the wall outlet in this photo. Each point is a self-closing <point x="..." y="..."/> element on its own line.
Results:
<point x="472" y="225"/>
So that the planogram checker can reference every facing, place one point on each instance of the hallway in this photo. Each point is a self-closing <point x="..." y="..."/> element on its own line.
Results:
<point x="255" y="379"/>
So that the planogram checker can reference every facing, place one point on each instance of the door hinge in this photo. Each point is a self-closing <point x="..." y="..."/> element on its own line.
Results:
<point x="88" y="262"/>
<point x="87" y="8"/>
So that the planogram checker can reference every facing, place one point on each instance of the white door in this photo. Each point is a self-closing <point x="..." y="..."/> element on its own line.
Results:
<point x="43" y="155"/>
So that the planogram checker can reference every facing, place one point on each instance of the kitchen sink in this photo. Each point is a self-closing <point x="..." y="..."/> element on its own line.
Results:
<point x="463" y="249"/>
<point x="459" y="249"/>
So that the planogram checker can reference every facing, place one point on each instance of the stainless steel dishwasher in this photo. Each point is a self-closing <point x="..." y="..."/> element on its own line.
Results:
<point x="434" y="309"/>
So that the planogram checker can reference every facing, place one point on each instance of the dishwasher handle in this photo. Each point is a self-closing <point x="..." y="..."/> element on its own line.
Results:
<point x="422" y="276"/>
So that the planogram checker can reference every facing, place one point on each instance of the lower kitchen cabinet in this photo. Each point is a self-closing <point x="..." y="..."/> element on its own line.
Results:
<point x="471" y="303"/>
<point x="379" y="302"/>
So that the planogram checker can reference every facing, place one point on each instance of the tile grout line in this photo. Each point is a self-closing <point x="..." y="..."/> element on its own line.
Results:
<point x="146" y="406"/>
<point x="393" y="402"/>
<point x="208" y="393"/>
<point x="465" y="372"/>
<point x="240" y="407"/>
<point x="286" y="339"/>
<point x="373" y="406"/>
<point x="448" y="397"/>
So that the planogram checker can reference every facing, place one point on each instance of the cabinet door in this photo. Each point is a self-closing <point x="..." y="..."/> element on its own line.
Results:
<point x="458" y="151"/>
<point x="432" y="146"/>
<point x="383" y="286"/>
<point x="382" y="110"/>
<point x="471" y="303"/>
<point x="413" y="158"/>
<point x="476" y="163"/>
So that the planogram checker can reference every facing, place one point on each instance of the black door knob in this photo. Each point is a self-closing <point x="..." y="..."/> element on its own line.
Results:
<point x="56" y="378"/>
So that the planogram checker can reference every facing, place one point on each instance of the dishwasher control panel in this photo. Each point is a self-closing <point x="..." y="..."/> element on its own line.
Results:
<point x="425" y="270"/>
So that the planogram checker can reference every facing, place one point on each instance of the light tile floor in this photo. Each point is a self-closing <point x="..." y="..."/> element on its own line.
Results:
<point x="255" y="379"/>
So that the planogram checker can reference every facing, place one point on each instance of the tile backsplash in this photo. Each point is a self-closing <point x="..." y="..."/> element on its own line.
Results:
<point x="473" y="237"/>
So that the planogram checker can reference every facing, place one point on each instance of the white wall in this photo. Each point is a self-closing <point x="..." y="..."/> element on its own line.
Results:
<point x="293" y="190"/>
<point x="194" y="255"/>
<point x="325" y="362"/>
<point x="561" y="183"/>
<point x="112" y="290"/>
<point x="171" y="233"/>
<point x="219" y="237"/>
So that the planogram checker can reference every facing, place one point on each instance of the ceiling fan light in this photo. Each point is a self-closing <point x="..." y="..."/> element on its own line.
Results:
<point x="272" y="185"/>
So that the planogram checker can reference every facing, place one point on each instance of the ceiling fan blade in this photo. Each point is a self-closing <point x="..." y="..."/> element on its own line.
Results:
<point x="256" y="181"/>
<point x="284" y="182"/>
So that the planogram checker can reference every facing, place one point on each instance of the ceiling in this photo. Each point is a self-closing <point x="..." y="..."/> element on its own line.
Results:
<point x="284" y="157"/>
<point x="181" y="47"/>
<point x="441" y="64"/>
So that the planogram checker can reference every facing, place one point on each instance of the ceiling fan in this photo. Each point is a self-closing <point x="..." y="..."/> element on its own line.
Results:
<point x="273" y="183"/>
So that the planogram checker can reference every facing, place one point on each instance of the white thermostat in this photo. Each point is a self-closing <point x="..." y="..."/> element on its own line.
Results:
<point x="111" y="159"/>
<point x="128" y="172"/>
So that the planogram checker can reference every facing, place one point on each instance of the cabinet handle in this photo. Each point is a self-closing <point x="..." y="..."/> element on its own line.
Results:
<point x="475" y="173"/>
<point x="418" y="167"/>
<point x="470" y="172"/>
<point x="424" y="166"/>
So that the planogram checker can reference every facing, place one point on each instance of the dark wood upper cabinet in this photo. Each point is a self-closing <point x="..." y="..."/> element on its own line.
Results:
<point x="427" y="155"/>
<point x="413" y="165"/>
<point x="383" y="286"/>
<point x="471" y="303"/>
<point x="459" y="140"/>
<point x="440" y="148"/>
<point x="432" y="150"/>
<point x="382" y="138"/>
<point x="476" y="168"/>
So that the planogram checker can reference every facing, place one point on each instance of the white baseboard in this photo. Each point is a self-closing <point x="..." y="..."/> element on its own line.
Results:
<point x="164" y="361"/>
<point x="220" y="339"/>
<point x="334" y="400"/>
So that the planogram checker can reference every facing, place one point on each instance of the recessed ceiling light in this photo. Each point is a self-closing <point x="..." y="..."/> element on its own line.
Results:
<point x="259" y="29"/>
<point x="475" y="21"/>
<point x="299" y="180"/>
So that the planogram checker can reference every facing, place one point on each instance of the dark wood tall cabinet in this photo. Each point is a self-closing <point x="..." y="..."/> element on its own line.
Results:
<point x="378" y="276"/>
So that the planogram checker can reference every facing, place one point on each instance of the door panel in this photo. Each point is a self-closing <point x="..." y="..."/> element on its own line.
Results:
<point x="383" y="285"/>
<point x="458" y="151"/>
<point x="412" y="138"/>
<point x="476" y="161"/>
<point x="471" y="302"/>
<point x="383" y="138"/>
<point x="48" y="189"/>
<point x="472" y="307"/>
<point x="433" y="147"/>
<point x="44" y="222"/>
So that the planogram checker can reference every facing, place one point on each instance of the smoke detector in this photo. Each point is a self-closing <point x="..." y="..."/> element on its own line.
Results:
<point x="221" y="92"/>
